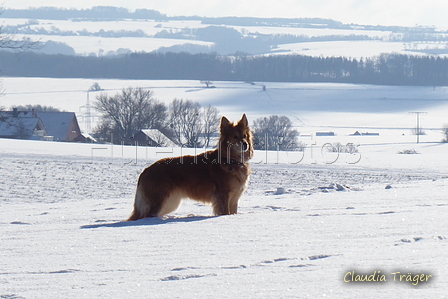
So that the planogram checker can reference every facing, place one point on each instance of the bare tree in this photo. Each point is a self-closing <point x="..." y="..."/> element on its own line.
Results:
<point x="153" y="114"/>
<point x="105" y="129"/>
<point x="130" y="110"/>
<point x="274" y="133"/>
<point x="211" y="123"/>
<point x="207" y="83"/>
<point x="185" y="122"/>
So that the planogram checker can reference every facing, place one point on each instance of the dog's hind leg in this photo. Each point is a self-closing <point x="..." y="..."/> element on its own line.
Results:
<point x="141" y="205"/>
<point x="169" y="204"/>
<point x="144" y="205"/>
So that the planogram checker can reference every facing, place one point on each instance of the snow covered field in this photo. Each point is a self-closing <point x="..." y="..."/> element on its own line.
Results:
<point x="307" y="219"/>
<point x="353" y="49"/>
<point x="296" y="236"/>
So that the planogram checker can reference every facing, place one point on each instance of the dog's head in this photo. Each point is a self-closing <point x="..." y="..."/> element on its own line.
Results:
<point x="236" y="139"/>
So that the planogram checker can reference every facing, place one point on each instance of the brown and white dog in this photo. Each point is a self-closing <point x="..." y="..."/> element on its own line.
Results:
<point x="218" y="177"/>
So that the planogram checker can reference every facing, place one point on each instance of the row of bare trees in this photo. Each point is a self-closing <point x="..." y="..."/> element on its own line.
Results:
<point x="133" y="109"/>
<point x="183" y="121"/>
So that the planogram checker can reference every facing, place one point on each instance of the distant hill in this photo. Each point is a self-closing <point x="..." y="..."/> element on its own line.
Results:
<point x="119" y="13"/>
<point x="97" y="12"/>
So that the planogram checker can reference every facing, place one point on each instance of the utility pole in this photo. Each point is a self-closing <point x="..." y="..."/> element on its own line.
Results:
<point x="417" y="132"/>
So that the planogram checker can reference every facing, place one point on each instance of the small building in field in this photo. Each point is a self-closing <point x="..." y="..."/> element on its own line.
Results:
<point x="153" y="137"/>
<point x="324" y="134"/>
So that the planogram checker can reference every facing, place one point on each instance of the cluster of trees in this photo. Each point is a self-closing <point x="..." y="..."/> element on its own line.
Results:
<point x="133" y="109"/>
<point x="37" y="108"/>
<point x="128" y="111"/>
<point x="387" y="69"/>
<point x="411" y="36"/>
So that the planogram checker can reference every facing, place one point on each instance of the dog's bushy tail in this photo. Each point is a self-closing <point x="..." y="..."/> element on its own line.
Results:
<point x="139" y="206"/>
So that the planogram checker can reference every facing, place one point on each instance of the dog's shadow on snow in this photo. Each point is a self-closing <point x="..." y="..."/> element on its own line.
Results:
<point x="148" y="222"/>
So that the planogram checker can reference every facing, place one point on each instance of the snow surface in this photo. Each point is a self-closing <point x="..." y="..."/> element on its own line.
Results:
<point x="62" y="205"/>
<point x="352" y="49"/>
<point x="63" y="235"/>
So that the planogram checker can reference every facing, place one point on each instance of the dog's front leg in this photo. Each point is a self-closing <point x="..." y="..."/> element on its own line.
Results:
<point x="221" y="204"/>
<point x="233" y="206"/>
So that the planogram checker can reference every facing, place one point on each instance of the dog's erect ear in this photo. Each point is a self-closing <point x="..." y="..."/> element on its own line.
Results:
<point x="225" y="124"/>
<point x="243" y="121"/>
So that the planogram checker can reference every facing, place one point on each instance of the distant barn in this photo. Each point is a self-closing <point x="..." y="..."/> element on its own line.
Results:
<point x="357" y="133"/>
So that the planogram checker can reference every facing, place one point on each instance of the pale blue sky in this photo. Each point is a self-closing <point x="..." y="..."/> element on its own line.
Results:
<point x="372" y="12"/>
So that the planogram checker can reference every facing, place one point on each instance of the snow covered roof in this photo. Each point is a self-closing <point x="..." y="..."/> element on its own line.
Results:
<point x="22" y="127"/>
<point x="158" y="137"/>
<point x="58" y="124"/>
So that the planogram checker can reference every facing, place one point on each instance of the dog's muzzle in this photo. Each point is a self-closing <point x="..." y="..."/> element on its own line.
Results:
<point x="244" y="146"/>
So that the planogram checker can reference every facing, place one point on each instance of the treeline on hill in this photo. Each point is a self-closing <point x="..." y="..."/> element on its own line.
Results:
<point x="225" y="40"/>
<point x="101" y="13"/>
<point x="387" y="69"/>
<point x="96" y="12"/>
